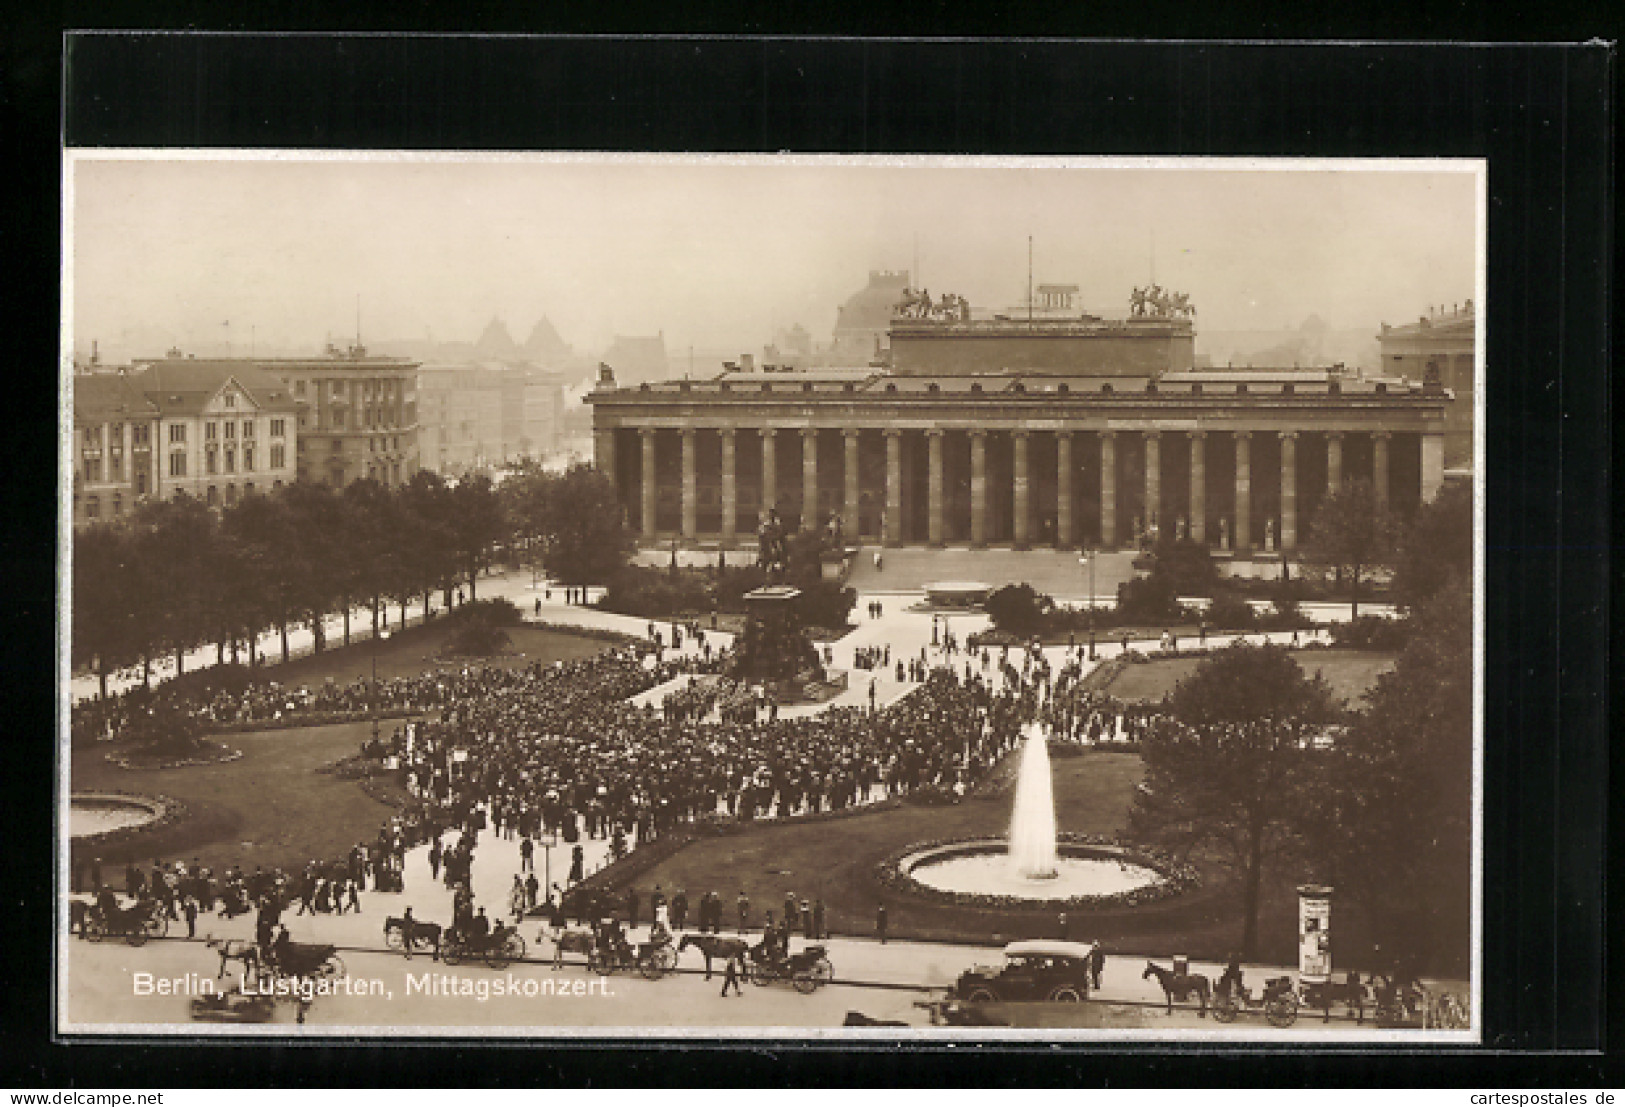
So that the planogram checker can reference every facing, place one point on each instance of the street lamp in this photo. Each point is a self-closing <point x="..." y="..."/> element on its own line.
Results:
<point x="375" y="637"/>
<point x="1088" y="559"/>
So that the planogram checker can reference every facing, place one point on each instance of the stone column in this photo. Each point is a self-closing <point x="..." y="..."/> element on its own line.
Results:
<point x="849" y="470"/>
<point x="730" y="487"/>
<point x="1021" y="490"/>
<point x="1432" y="466"/>
<point x="809" y="476"/>
<point x="894" y="487"/>
<point x="1198" y="488"/>
<point x="1334" y="461"/>
<point x="691" y="489"/>
<point x="770" y="469"/>
<point x="647" y="434"/>
<point x="1379" y="467"/>
<point x="1289" y="491"/>
<point x="978" y="488"/>
<point x="1244" y="491"/>
<point x="1153" y="479"/>
<point x="1063" y="490"/>
<point x="1108" y="490"/>
<point x="934" y="446"/>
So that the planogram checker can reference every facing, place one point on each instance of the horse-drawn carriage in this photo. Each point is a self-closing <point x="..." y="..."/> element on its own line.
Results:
<point x="1278" y="1001"/>
<point x="498" y="949"/>
<point x="808" y="970"/>
<point x="146" y="918"/>
<point x="305" y="961"/>
<point x="612" y="950"/>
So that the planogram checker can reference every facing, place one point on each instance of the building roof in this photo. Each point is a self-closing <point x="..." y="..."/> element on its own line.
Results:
<point x="104" y="396"/>
<point x="184" y="386"/>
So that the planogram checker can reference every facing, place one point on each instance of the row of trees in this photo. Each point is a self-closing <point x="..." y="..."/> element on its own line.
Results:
<point x="177" y="574"/>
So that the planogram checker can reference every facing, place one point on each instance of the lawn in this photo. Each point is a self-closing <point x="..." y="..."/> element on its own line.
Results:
<point x="272" y="806"/>
<point x="1351" y="673"/>
<point x="415" y="650"/>
<point x="837" y="858"/>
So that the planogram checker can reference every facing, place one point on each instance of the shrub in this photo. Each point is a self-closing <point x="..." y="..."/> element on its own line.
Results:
<point x="1185" y="567"/>
<point x="825" y="603"/>
<point x="1230" y="612"/>
<point x="497" y="612"/>
<point x="1372" y="632"/>
<point x="477" y="639"/>
<point x="1148" y="600"/>
<point x="1020" y="610"/>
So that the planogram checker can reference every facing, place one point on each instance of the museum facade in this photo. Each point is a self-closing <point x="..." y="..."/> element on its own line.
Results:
<point x="1018" y="432"/>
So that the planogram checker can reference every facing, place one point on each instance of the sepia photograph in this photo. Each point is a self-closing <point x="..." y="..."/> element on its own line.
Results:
<point x="596" y="596"/>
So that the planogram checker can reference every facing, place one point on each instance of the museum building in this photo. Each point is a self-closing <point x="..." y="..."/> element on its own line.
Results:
<point x="1046" y="429"/>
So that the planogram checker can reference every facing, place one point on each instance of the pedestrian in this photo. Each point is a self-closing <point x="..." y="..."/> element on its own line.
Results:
<point x="578" y="862"/>
<point x="631" y="908"/>
<point x="818" y="919"/>
<point x="679" y="910"/>
<point x="539" y="603"/>
<point x="532" y="888"/>
<point x="527" y="855"/>
<point x="355" y="898"/>
<point x="190" y="908"/>
<point x="744" y="910"/>
<point x="731" y="976"/>
<point x="1097" y="962"/>
<point x="880" y="922"/>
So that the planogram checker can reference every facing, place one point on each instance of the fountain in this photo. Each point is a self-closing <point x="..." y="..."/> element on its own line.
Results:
<point x="1035" y="865"/>
<point x="1032" y="821"/>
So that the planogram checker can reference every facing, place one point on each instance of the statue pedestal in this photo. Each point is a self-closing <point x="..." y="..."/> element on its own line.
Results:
<point x="773" y="647"/>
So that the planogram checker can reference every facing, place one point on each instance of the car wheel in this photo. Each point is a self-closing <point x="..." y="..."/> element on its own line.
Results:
<point x="1065" y="994"/>
<point x="981" y="995"/>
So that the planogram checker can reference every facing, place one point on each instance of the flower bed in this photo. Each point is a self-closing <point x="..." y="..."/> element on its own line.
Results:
<point x="1176" y="878"/>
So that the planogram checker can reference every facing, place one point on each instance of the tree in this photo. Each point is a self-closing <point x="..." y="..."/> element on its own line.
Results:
<point x="1226" y="770"/>
<point x="373" y="523"/>
<point x="1394" y="826"/>
<point x="477" y="525"/>
<point x="174" y="546"/>
<point x="430" y="551"/>
<point x="261" y="530"/>
<point x="107" y="634"/>
<point x="1019" y="609"/>
<point x="585" y="536"/>
<point x="1437" y="546"/>
<point x="1350" y="534"/>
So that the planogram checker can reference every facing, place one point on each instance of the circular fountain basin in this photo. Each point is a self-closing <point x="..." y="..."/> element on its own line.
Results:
<point x="984" y="868"/>
<point x="91" y="815"/>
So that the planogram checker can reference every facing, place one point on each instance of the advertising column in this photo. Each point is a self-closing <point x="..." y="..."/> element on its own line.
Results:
<point x="1314" y="933"/>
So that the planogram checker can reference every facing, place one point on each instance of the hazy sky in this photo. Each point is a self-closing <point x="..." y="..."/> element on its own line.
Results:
<point x="720" y="255"/>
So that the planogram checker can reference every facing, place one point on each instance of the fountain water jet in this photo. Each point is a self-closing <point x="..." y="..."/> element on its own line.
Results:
<point x="1032" y="821"/>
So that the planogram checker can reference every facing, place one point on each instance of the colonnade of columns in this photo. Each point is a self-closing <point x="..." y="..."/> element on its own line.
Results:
<point x="1056" y="493"/>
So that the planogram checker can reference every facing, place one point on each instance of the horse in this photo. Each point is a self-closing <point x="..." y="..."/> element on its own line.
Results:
<point x="231" y="949"/>
<point x="1178" y="985"/>
<point x="569" y="941"/>
<point x="414" y="931"/>
<point x="715" y="946"/>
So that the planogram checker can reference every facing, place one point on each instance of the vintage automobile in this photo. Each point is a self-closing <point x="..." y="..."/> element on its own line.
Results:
<point x="1033" y="971"/>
